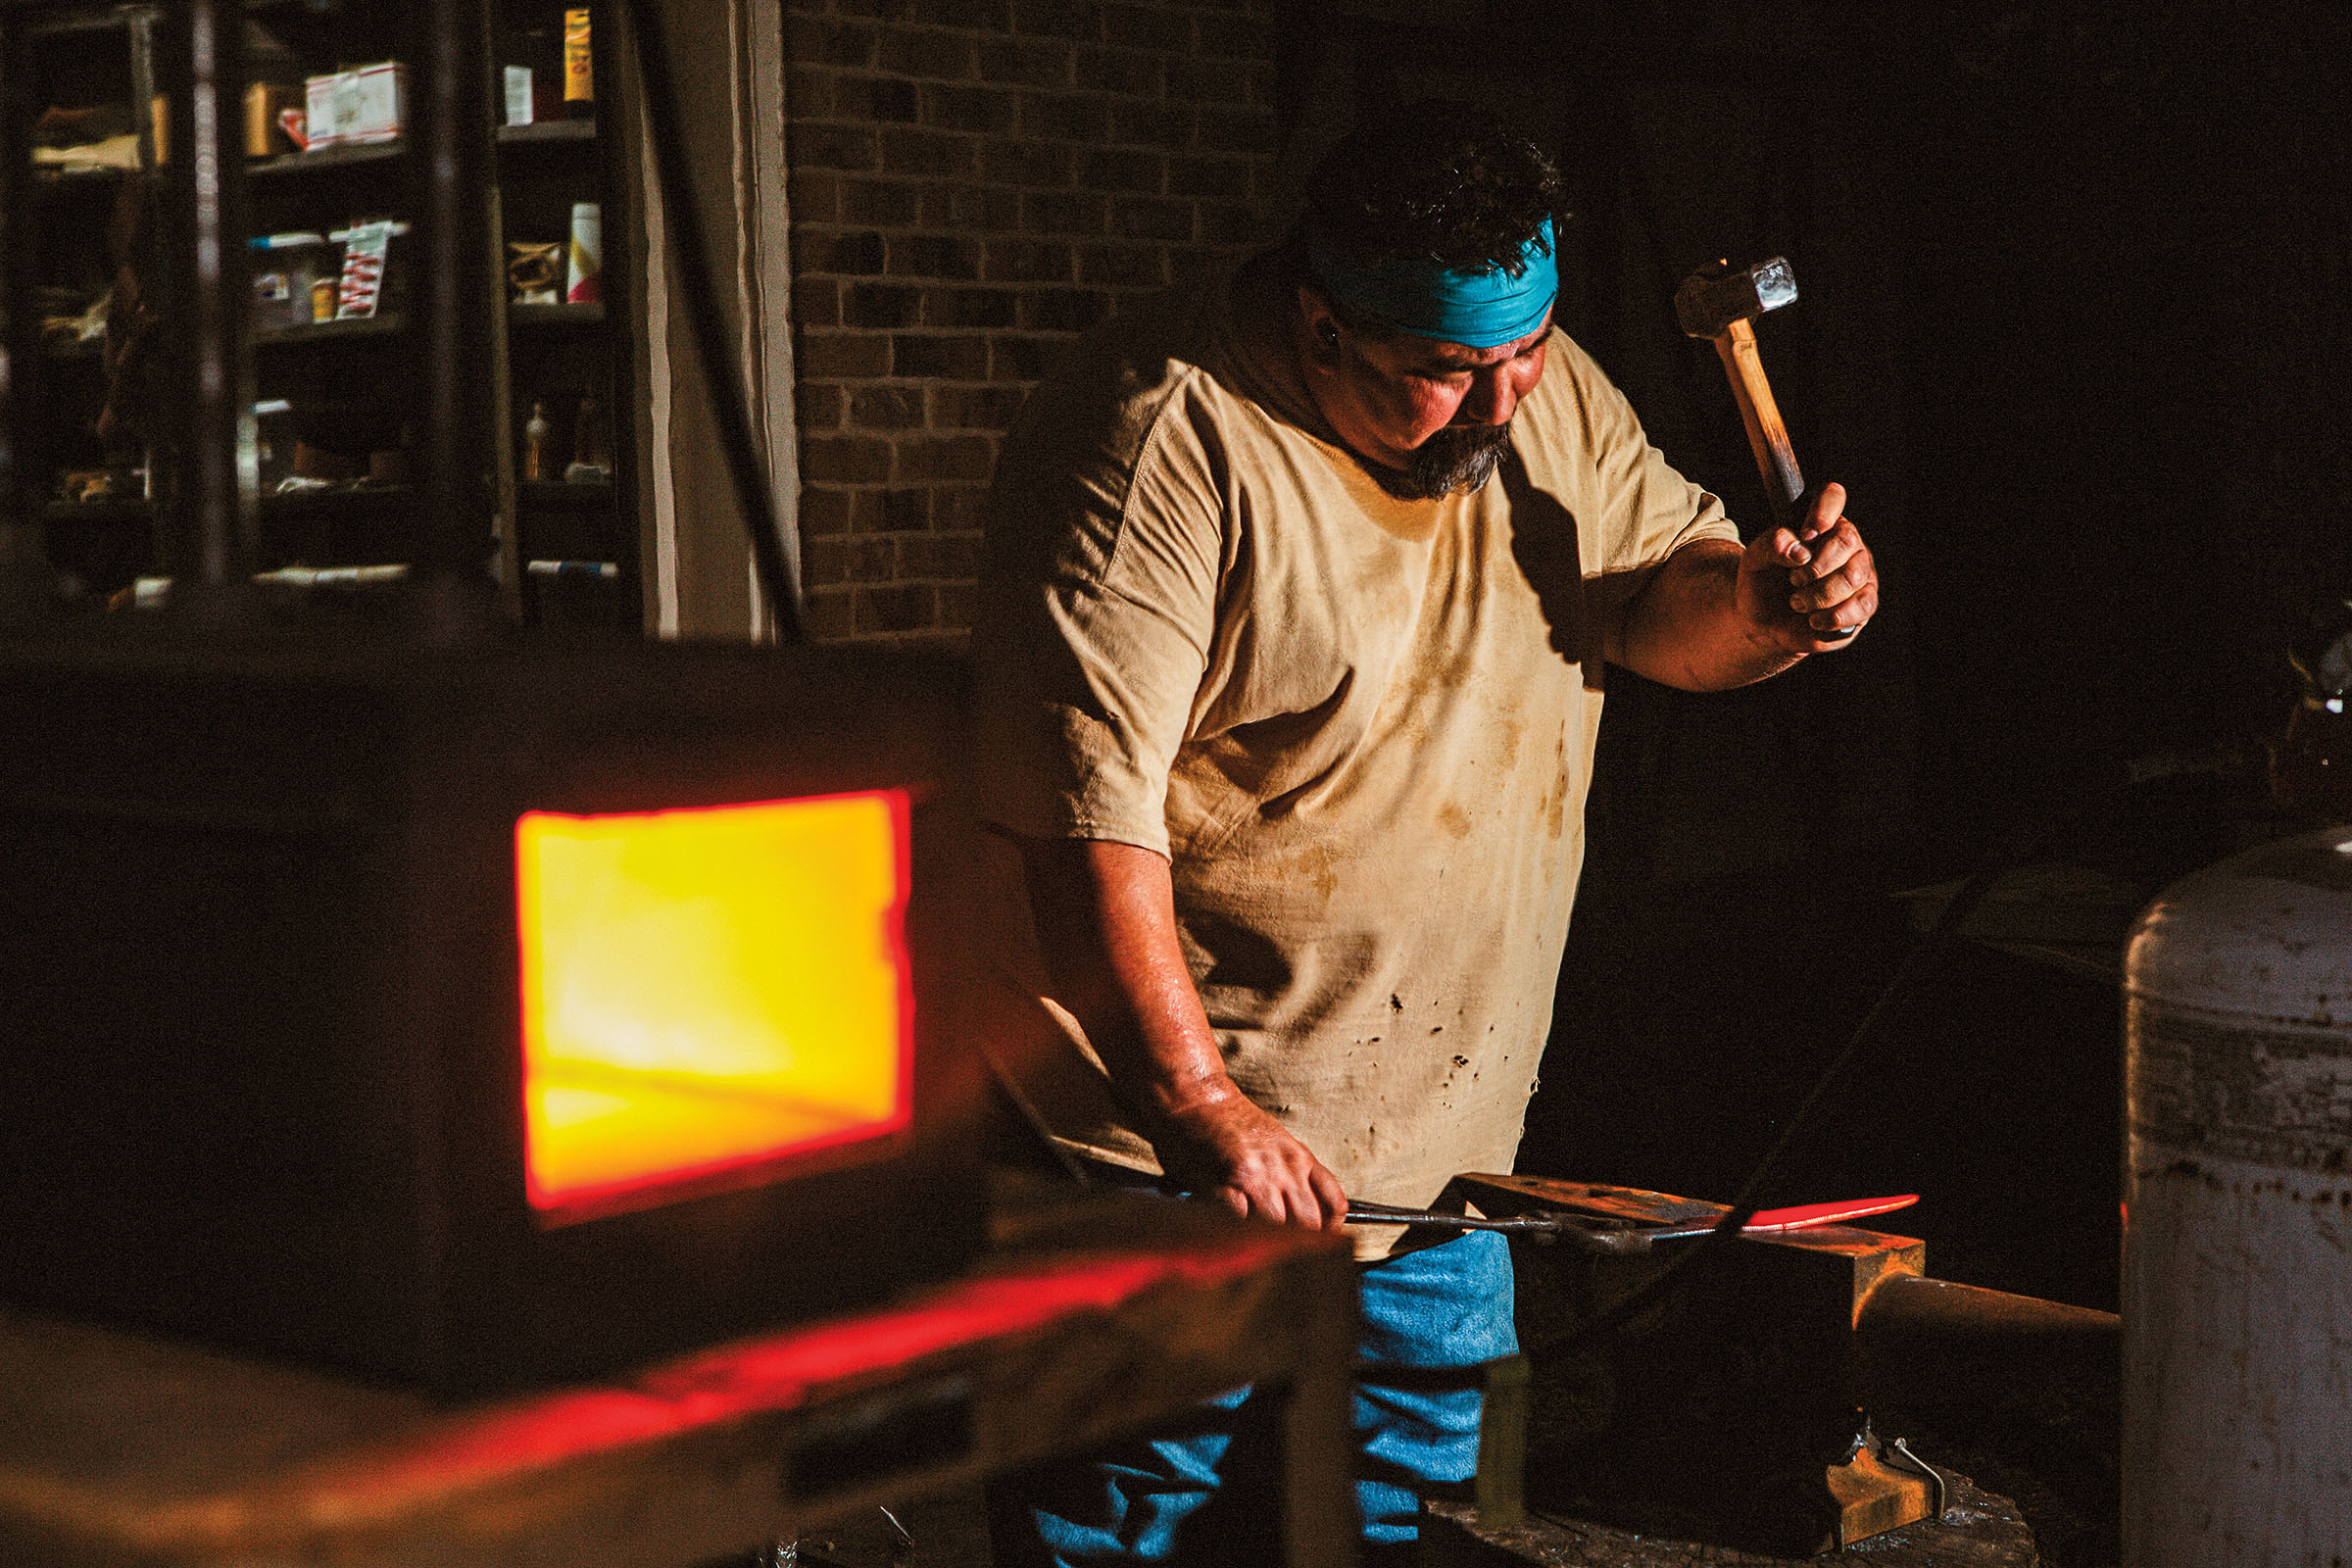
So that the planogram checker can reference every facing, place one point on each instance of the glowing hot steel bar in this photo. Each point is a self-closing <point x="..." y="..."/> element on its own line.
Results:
<point x="706" y="990"/>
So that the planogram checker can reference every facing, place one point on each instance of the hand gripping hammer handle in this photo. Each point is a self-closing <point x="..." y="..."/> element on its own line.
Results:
<point x="1721" y="305"/>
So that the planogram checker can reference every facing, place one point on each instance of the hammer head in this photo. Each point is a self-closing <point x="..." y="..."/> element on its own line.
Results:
<point x="1712" y="299"/>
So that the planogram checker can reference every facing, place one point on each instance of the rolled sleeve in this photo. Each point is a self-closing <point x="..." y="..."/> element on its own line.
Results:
<point x="1648" y="509"/>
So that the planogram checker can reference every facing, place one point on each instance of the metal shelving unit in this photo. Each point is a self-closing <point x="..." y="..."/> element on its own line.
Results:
<point x="425" y="378"/>
<point x="561" y="355"/>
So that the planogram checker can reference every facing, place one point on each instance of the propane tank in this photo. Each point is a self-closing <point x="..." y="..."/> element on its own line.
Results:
<point x="2237" y="1221"/>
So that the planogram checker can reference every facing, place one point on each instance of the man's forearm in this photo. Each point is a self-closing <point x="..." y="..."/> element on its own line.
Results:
<point x="1107" y="920"/>
<point x="1686" y="630"/>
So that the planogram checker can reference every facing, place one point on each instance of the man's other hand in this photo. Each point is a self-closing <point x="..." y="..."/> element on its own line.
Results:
<point x="1801" y="594"/>
<point x="1224" y="1147"/>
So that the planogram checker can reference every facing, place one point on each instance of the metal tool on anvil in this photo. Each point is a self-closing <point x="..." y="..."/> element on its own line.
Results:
<point x="1736" y="1408"/>
<point x="1718" y="303"/>
<point x="1623" y="1236"/>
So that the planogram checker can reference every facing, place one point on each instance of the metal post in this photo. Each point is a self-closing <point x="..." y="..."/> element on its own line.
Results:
<point x="18" y="504"/>
<point x="215" y="499"/>
<point x="23" y="573"/>
<point x="452" y="99"/>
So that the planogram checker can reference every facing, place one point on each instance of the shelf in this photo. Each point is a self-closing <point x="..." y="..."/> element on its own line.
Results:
<point x="542" y="134"/>
<point x="304" y="506"/>
<point x="78" y="173"/>
<point x="324" y="157"/>
<point x="555" y="495"/>
<point x="382" y="325"/>
<point x="301" y="505"/>
<point x="112" y="511"/>
<point x="97" y="20"/>
<point x="547" y="131"/>
<point x="587" y="315"/>
<point x="383" y="574"/>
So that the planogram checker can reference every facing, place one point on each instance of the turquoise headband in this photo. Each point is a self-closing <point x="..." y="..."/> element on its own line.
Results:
<point x="1478" y="308"/>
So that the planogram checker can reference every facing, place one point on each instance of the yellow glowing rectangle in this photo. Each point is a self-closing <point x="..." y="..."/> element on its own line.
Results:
<point x="706" y="990"/>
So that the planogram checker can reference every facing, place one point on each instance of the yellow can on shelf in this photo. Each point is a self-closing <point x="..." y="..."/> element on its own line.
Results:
<point x="579" y="74"/>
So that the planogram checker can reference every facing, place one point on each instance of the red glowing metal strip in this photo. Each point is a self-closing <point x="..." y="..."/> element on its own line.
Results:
<point x="1805" y="1216"/>
<point x="473" y="1452"/>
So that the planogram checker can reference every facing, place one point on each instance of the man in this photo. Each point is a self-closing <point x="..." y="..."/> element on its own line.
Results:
<point x="1291" y="658"/>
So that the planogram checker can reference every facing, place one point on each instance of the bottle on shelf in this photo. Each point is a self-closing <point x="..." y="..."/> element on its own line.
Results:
<point x="579" y="71"/>
<point x="583" y="279"/>
<point x="538" y="443"/>
<point x="591" y="445"/>
<point x="514" y="83"/>
<point x="531" y="58"/>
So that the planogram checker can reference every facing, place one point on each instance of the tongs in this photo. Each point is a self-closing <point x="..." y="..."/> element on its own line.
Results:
<point x="1598" y="1234"/>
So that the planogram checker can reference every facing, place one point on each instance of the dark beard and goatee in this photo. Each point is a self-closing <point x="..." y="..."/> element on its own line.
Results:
<point x="1462" y="458"/>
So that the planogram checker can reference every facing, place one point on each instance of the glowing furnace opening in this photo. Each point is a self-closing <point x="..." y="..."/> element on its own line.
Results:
<point x="709" y="991"/>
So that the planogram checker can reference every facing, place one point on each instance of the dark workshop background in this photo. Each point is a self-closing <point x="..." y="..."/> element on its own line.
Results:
<point x="2073" y="331"/>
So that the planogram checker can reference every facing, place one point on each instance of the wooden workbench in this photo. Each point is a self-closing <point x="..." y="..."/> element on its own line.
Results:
<point x="1091" y="1318"/>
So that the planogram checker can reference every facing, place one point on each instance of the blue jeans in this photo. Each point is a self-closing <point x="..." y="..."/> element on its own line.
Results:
<point x="1207" y="1492"/>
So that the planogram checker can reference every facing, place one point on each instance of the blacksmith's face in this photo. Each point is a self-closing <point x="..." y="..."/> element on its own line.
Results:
<point x="1434" y="416"/>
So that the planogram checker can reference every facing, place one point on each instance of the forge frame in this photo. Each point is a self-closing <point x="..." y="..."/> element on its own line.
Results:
<point x="263" y="1074"/>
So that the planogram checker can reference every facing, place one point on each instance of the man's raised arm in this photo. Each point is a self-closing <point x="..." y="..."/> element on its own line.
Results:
<point x="1714" y="615"/>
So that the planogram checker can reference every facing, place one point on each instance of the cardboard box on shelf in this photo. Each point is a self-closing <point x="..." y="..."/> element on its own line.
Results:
<point x="356" y="107"/>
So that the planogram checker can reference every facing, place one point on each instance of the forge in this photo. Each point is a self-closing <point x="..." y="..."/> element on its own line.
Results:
<point x="477" y="1019"/>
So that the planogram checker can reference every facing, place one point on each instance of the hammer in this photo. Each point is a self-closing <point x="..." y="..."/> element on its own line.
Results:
<point x="1717" y="304"/>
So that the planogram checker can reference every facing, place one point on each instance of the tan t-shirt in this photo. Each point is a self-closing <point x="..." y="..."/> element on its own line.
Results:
<point x="1361" y="729"/>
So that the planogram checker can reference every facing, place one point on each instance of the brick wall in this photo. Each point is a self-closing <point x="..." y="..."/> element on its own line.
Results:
<point x="974" y="183"/>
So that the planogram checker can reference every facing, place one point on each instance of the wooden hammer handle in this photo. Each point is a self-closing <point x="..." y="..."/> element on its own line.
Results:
<point x="1767" y="436"/>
